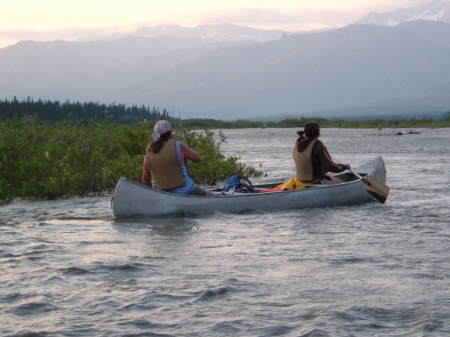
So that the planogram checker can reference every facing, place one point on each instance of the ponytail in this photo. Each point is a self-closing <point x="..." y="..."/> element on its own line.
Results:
<point x="156" y="145"/>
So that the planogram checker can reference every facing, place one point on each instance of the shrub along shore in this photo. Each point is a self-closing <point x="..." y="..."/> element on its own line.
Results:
<point x="48" y="161"/>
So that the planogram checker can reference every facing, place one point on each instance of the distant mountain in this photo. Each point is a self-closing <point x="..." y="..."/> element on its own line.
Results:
<point x="437" y="10"/>
<point x="93" y="70"/>
<point x="218" y="33"/>
<point x="432" y="103"/>
<point x="298" y="74"/>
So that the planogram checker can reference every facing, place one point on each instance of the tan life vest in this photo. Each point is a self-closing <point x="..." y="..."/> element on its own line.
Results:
<point x="303" y="163"/>
<point x="165" y="167"/>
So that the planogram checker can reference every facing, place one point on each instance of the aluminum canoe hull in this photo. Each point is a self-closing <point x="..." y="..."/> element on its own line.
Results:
<point x="133" y="199"/>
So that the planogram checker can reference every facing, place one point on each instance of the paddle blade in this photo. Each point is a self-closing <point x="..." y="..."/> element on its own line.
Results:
<point x="376" y="188"/>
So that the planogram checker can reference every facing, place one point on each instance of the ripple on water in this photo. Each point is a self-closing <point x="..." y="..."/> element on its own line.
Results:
<point x="135" y="306"/>
<point x="147" y="334"/>
<point x="5" y="254"/>
<point x="364" y="318"/>
<point x="30" y="334"/>
<point x="142" y="324"/>
<point x="228" y="328"/>
<point x="210" y="294"/>
<point x="351" y="260"/>
<point x="120" y="268"/>
<point x="74" y="271"/>
<point x="276" y="330"/>
<point x="101" y="268"/>
<point x="313" y="332"/>
<point x="13" y="297"/>
<point x="33" y="308"/>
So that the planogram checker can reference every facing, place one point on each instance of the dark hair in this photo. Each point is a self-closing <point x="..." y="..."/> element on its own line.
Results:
<point x="156" y="145"/>
<point x="311" y="130"/>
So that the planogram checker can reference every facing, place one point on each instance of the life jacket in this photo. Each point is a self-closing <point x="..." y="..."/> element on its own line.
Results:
<point x="303" y="163"/>
<point x="166" y="167"/>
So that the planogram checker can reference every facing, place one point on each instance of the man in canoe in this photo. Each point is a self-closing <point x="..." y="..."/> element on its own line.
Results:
<point x="312" y="160"/>
<point x="165" y="163"/>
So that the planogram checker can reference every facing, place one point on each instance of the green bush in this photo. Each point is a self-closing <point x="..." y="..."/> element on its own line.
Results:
<point x="61" y="160"/>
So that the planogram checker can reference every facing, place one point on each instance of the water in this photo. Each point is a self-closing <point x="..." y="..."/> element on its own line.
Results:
<point x="69" y="269"/>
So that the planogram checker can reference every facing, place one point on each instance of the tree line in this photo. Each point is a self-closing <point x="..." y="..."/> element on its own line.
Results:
<point x="55" y="111"/>
<point x="326" y="123"/>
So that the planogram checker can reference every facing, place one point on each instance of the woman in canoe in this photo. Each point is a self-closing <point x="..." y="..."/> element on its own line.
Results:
<point x="312" y="160"/>
<point x="165" y="163"/>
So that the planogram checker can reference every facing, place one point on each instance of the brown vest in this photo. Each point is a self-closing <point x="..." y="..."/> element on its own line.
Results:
<point x="303" y="163"/>
<point x="165" y="167"/>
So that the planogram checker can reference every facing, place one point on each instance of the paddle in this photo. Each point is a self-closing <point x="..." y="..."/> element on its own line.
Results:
<point x="373" y="186"/>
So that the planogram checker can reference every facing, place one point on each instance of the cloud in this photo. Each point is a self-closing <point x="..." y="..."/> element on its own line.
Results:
<point x="297" y="19"/>
<point x="390" y="5"/>
<point x="307" y="18"/>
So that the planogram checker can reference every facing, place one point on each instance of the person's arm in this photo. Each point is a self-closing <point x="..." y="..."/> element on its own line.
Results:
<point x="328" y="164"/>
<point x="146" y="172"/>
<point x="189" y="154"/>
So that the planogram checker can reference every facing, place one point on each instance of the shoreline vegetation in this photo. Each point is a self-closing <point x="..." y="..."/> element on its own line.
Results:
<point x="59" y="160"/>
<point x="50" y="150"/>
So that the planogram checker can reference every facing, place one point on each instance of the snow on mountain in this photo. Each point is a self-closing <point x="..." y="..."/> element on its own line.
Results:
<point x="436" y="10"/>
<point x="219" y="33"/>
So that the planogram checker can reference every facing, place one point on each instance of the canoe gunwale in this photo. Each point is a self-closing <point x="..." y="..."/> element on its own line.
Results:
<point x="235" y="195"/>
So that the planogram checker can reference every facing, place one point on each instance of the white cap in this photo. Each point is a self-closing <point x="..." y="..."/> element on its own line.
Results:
<point x="161" y="127"/>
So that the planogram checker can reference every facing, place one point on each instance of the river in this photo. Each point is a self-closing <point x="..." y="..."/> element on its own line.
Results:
<point x="68" y="268"/>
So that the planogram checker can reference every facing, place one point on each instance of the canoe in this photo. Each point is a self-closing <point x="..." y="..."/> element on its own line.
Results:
<point x="133" y="199"/>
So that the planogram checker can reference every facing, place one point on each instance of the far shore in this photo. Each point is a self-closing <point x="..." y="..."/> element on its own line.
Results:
<point x="324" y="123"/>
<point x="51" y="112"/>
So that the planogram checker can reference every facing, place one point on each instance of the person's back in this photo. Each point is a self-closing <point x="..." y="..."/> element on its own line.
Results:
<point x="304" y="161"/>
<point x="165" y="162"/>
<point x="312" y="160"/>
<point x="165" y="167"/>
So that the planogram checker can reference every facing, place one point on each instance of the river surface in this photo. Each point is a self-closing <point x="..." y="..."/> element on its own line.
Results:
<point x="69" y="269"/>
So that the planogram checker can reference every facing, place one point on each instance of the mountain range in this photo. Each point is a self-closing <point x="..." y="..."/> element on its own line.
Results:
<point x="230" y="72"/>
<point x="299" y="74"/>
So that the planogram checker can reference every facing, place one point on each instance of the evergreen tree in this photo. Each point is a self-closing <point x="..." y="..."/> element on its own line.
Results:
<point x="54" y="111"/>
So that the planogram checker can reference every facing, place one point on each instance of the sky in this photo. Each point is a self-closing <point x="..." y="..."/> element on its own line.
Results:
<point x="45" y="20"/>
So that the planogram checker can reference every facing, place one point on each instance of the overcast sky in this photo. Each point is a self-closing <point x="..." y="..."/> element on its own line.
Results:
<point x="85" y="19"/>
